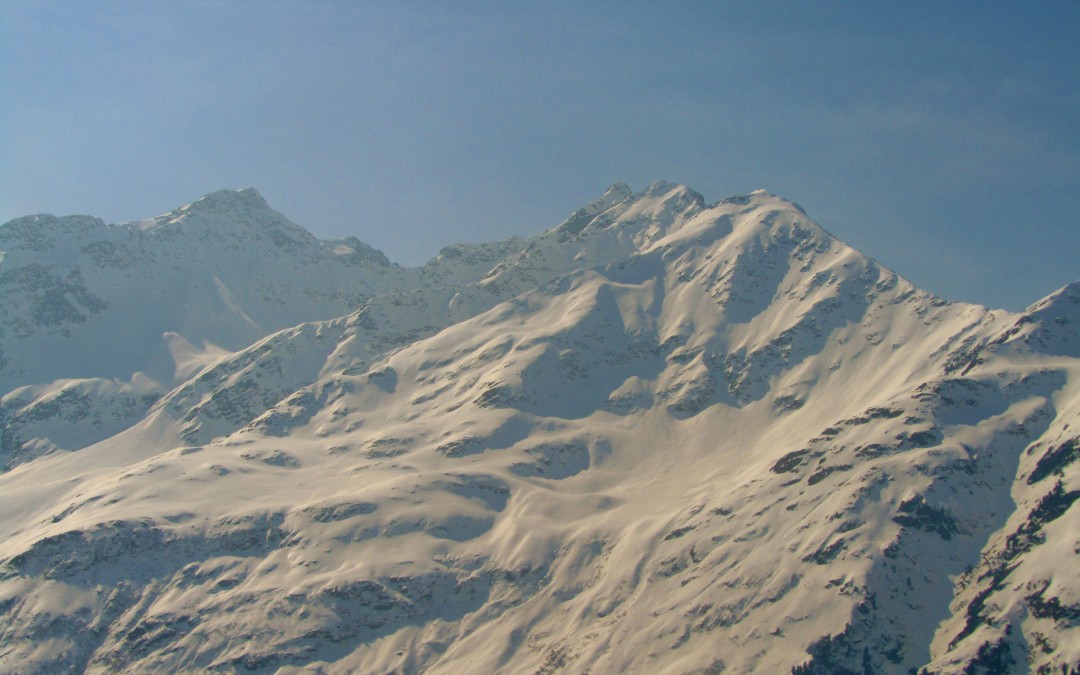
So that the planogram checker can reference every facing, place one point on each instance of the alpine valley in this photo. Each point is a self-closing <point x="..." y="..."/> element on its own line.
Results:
<point x="664" y="436"/>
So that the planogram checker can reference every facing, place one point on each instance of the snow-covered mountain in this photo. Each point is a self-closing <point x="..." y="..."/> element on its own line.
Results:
<point x="663" y="436"/>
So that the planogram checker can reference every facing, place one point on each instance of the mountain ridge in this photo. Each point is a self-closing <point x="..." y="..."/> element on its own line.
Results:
<point x="660" y="436"/>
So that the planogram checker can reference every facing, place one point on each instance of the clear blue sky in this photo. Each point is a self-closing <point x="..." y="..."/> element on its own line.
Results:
<point x="942" y="138"/>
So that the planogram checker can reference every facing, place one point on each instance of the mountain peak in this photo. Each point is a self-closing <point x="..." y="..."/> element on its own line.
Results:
<point x="760" y="196"/>
<point x="230" y="200"/>
<point x="659" y="187"/>
<point x="241" y="211"/>
<point x="617" y="192"/>
<point x="1066" y="296"/>
<point x="677" y="193"/>
<point x="581" y="218"/>
<point x="1051" y="325"/>
<point x="660" y="194"/>
<point x="658" y="428"/>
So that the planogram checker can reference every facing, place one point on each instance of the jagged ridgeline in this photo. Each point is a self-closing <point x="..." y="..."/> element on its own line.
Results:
<point x="663" y="436"/>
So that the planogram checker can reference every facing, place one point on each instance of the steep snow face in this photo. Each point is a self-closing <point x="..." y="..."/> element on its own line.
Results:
<point x="225" y="270"/>
<point x="1020" y="604"/>
<point x="663" y="436"/>
<point x="96" y="302"/>
<point x="157" y="299"/>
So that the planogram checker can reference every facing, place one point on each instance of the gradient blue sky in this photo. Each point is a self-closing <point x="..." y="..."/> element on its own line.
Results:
<point x="942" y="139"/>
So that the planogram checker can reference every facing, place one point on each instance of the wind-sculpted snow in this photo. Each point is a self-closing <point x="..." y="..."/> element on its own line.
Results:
<point x="154" y="302"/>
<point x="1019" y="605"/>
<point x="663" y="436"/>
<point x="70" y="413"/>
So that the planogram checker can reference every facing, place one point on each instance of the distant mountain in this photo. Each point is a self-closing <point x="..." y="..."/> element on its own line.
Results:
<point x="101" y="320"/>
<point x="662" y="436"/>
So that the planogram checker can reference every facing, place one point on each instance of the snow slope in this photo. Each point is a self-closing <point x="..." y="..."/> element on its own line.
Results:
<point x="101" y="320"/>
<point x="663" y="436"/>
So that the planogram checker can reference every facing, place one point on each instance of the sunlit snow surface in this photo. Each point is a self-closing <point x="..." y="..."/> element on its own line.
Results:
<point x="663" y="436"/>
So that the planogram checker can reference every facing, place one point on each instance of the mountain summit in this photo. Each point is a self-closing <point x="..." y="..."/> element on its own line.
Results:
<point x="661" y="436"/>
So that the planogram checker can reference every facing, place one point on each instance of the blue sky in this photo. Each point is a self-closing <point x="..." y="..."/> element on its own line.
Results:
<point x="942" y="139"/>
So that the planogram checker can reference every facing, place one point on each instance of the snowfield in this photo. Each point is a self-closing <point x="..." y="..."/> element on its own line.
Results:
<point x="663" y="436"/>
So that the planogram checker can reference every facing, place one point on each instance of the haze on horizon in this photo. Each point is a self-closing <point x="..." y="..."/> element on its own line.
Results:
<point x="942" y="140"/>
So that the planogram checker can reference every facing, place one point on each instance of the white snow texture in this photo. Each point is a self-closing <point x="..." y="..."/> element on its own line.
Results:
<point x="662" y="437"/>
